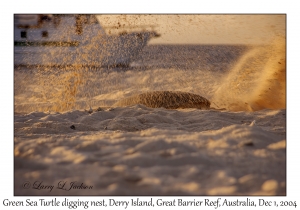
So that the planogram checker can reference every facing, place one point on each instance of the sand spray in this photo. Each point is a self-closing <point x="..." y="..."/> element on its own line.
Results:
<point x="257" y="81"/>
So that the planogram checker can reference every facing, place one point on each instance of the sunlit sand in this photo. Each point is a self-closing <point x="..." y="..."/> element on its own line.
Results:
<point x="180" y="120"/>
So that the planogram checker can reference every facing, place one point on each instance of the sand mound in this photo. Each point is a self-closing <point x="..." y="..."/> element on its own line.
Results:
<point x="166" y="99"/>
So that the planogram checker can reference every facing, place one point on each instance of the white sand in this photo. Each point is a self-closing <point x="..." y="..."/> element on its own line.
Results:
<point x="143" y="151"/>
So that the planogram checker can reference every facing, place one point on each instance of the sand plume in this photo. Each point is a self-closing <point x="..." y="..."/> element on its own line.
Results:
<point x="258" y="80"/>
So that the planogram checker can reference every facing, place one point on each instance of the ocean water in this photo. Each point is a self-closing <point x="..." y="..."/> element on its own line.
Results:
<point x="232" y="77"/>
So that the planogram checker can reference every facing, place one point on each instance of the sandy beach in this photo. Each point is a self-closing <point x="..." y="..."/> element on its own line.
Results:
<point x="143" y="151"/>
<point x="63" y="142"/>
<point x="115" y="126"/>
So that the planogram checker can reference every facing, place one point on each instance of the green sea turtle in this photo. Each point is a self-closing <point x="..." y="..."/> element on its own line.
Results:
<point x="166" y="99"/>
